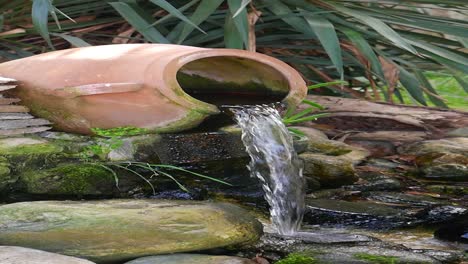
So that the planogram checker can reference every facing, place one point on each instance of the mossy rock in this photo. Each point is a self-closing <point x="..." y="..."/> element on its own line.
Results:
<point x="70" y="180"/>
<point x="30" y="153"/>
<point x="330" y="171"/>
<point x="190" y="259"/>
<point x="360" y="254"/>
<point x="119" y="230"/>
<point x="140" y="148"/>
<point x="5" y="174"/>
<point x="328" y="147"/>
<point x="456" y="145"/>
<point x="297" y="258"/>
<point x="23" y="147"/>
<point x="444" y="166"/>
<point x="337" y="148"/>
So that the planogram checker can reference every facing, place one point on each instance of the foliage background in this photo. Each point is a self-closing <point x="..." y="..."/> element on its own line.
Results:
<point x="382" y="49"/>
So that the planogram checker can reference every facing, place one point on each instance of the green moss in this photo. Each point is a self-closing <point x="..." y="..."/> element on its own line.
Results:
<point x="120" y="131"/>
<point x="449" y="189"/>
<point x="296" y="258"/>
<point x="191" y="120"/>
<point x="27" y="150"/>
<point x="70" y="179"/>
<point x="377" y="259"/>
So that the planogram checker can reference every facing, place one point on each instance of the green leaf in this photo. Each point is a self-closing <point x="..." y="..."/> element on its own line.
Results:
<point x="181" y="9"/>
<point x="306" y="119"/>
<point x="459" y="77"/>
<point x="319" y="85"/>
<point x="427" y="85"/>
<point x="138" y="22"/>
<point x="378" y="26"/>
<point x="296" y="131"/>
<point x="40" y="17"/>
<point x="242" y="6"/>
<point x="300" y="114"/>
<point x="412" y="85"/>
<point x="175" y="12"/>
<point x="463" y="41"/>
<point x="232" y="37"/>
<point x="363" y="46"/>
<point x="240" y="20"/>
<point x="441" y="52"/>
<point x="326" y="34"/>
<point x="318" y="106"/>
<point x="203" y="11"/>
<point x="75" y="41"/>
<point x="280" y="9"/>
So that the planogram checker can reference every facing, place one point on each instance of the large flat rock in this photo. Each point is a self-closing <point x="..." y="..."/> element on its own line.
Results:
<point x="190" y="259"/>
<point x="20" y="255"/>
<point x="117" y="230"/>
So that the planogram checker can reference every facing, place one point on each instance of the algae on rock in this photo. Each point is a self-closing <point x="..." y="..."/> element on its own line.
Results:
<point x="70" y="179"/>
<point x="132" y="228"/>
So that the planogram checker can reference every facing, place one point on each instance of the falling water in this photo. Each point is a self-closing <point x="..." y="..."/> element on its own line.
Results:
<point x="275" y="162"/>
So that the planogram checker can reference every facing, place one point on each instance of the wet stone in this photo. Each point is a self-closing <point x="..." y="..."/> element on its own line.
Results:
<point x="362" y="214"/>
<point x="119" y="230"/>
<point x="457" y="145"/>
<point x="387" y="212"/>
<point x="456" y="231"/>
<point x="330" y="171"/>
<point x="403" y="199"/>
<point x="361" y="250"/>
<point x="375" y="181"/>
<point x="459" y="132"/>
<point x="190" y="259"/>
<point x="21" y="255"/>
<point x="444" y="166"/>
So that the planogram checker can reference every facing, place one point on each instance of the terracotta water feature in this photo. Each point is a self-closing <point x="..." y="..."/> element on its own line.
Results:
<point x="152" y="87"/>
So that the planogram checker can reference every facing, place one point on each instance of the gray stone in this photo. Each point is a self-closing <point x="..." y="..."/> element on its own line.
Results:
<point x="141" y="148"/>
<point x="444" y="159"/>
<point x="456" y="145"/>
<point x="117" y="230"/>
<point x="190" y="259"/>
<point x="459" y="132"/>
<point x="370" y="251"/>
<point x="20" y="255"/>
<point x="331" y="171"/>
<point x="375" y="181"/>
<point x="408" y="210"/>
<point x="444" y="166"/>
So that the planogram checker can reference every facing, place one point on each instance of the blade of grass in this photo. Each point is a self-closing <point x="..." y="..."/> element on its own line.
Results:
<point x="75" y="41"/>
<point x="139" y="23"/>
<point x="326" y="34"/>
<point x="240" y="21"/>
<point x="40" y="17"/>
<point x="313" y="104"/>
<point x="325" y="84"/>
<point x="306" y="119"/>
<point x="201" y="13"/>
<point x="175" y="12"/>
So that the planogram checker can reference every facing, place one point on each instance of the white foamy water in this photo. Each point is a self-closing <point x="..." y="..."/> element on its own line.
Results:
<point x="275" y="163"/>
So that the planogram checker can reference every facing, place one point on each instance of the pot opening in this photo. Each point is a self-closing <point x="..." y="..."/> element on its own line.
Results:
<point x="226" y="80"/>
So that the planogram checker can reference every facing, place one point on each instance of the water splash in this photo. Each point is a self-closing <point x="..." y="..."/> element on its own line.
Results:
<point x="275" y="162"/>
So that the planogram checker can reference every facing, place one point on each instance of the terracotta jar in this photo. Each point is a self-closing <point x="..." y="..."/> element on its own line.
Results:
<point x="149" y="86"/>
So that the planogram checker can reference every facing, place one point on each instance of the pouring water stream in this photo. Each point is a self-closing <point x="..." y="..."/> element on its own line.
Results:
<point x="274" y="162"/>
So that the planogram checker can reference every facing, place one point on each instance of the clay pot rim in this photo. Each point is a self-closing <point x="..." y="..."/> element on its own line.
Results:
<point x="296" y="85"/>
